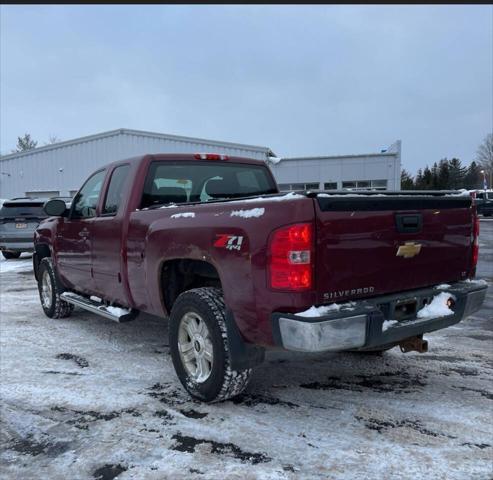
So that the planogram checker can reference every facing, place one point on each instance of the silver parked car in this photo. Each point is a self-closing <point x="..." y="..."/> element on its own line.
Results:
<point x="19" y="219"/>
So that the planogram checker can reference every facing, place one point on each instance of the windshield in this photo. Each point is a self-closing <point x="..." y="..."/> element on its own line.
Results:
<point x="170" y="182"/>
<point x="28" y="209"/>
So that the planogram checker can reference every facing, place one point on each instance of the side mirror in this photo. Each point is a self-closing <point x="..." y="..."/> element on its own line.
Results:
<point x="55" y="208"/>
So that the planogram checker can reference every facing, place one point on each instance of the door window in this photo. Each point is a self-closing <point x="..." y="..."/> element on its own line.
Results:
<point x="115" y="190"/>
<point x="86" y="201"/>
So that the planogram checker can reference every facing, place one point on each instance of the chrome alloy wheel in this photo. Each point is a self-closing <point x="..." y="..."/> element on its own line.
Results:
<point x="195" y="347"/>
<point x="46" y="290"/>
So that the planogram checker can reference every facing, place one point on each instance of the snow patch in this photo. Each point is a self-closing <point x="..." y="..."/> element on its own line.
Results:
<point x="117" y="311"/>
<point x="461" y="193"/>
<point x="253" y="212"/>
<point x="275" y="160"/>
<point x="476" y="281"/>
<point x="15" y="264"/>
<point x="314" y="311"/>
<point x="95" y="299"/>
<point x="443" y="286"/>
<point x="437" y="308"/>
<point x="344" y="195"/>
<point x="387" y="324"/>
<point x="280" y="198"/>
<point x="183" y="215"/>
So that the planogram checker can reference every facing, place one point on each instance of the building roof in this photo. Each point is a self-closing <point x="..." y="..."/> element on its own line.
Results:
<point x="328" y="157"/>
<point x="126" y="131"/>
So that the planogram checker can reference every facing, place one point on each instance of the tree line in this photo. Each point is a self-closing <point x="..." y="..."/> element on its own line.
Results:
<point x="450" y="174"/>
<point x="444" y="175"/>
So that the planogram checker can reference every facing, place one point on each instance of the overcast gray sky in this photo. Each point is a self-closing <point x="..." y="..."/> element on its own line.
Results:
<point x="303" y="80"/>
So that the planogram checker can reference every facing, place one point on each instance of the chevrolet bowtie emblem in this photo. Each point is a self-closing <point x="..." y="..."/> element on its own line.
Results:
<point x="408" y="250"/>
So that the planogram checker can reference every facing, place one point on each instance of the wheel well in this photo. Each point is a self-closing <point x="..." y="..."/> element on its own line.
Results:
<point x="178" y="276"/>
<point x="40" y="251"/>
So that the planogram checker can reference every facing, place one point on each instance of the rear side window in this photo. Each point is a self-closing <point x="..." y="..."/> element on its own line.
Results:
<point x="26" y="210"/>
<point x="115" y="190"/>
<point x="170" y="182"/>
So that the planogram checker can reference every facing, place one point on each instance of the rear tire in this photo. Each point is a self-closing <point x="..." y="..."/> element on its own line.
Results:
<point x="200" y="349"/>
<point x="50" y="290"/>
<point x="10" y="255"/>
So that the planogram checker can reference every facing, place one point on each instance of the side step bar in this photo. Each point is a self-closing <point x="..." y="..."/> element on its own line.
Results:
<point x="116" y="314"/>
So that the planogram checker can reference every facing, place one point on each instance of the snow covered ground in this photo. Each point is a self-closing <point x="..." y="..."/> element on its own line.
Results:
<point x="86" y="398"/>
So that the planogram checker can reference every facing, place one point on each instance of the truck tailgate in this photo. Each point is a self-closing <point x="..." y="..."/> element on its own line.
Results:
<point x="369" y="245"/>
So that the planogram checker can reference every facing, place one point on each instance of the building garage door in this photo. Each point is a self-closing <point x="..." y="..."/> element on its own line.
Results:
<point x="43" y="194"/>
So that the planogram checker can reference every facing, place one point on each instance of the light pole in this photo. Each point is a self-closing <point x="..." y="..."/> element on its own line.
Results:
<point x="484" y="179"/>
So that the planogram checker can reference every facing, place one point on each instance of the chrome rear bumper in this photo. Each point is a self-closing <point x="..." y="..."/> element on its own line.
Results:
<point x="362" y="325"/>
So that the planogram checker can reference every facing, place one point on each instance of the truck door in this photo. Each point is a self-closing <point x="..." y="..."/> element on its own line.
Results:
<point x="108" y="256"/>
<point x="74" y="237"/>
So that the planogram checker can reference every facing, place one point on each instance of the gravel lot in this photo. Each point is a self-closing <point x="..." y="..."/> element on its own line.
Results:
<point x="86" y="398"/>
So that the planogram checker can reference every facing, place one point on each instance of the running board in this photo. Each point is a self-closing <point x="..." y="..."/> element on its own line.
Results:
<point x="116" y="314"/>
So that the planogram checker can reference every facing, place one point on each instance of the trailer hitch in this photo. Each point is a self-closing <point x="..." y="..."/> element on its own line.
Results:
<point x="416" y="344"/>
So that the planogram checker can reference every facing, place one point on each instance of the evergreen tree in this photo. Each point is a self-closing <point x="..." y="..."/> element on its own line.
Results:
<point x="434" y="176"/>
<point x="25" y="143"/>
<point x="443" y="174"/>
<point x="418" y="182"/>
<point x="427" y="179"/>
<point x="473" y="177"/>
<point x="457" y="174"/>
<point x="407" y="182"/>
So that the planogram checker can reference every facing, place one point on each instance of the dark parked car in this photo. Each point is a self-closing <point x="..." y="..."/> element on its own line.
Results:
<point x="484" y="202"/>
<point x="19" y="219"/>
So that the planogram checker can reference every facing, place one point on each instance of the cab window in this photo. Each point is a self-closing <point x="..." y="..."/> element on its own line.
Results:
<point x="86" y="200"/>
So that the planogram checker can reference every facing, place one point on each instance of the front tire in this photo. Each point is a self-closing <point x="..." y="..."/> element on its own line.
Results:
<point x="10" y="255"/>
<point x="200" y="348"/>
<point x="50" y="290"/>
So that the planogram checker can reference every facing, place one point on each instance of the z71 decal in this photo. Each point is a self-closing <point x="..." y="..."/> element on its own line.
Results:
<point x="228" y="241"/>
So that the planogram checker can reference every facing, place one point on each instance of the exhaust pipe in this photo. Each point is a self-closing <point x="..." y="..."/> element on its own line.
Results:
<point x="416" y="344"/>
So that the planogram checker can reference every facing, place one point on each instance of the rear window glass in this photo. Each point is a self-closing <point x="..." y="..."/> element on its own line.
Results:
<point x="170" y="182"/>
<point x="22" y="210"/>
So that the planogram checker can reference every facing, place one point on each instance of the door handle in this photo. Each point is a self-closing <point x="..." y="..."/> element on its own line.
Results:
<point x="84" y="233"/>
<point x="409" y="223"/>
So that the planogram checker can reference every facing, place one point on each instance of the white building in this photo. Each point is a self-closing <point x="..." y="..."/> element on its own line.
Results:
<point x="380" y="171"/>
<point x="60" y="169"/>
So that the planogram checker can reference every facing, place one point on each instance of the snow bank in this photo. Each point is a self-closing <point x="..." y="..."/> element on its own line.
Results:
<point x="437" y="308"/>
<point x="253" y="212"/>
<point x="183" y="215"/>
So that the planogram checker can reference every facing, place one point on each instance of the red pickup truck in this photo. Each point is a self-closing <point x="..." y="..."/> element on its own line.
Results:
<point x="238" y="267"/>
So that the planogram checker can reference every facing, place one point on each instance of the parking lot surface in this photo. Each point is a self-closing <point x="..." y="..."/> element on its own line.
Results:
<point x="86" y="398"/>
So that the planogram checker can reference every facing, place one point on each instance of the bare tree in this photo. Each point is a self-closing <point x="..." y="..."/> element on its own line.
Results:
<point x="52" y="139"/>
<point x="484" y="155"/>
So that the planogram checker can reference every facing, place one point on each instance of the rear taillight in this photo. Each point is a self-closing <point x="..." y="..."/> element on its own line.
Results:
<point x="291" y="257"/>
<point x="475" y="244"/>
